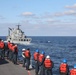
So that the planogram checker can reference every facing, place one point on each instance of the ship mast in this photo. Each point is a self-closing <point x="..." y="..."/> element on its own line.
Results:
<point x="9" y="31"/>
<point x="18" y="26"/>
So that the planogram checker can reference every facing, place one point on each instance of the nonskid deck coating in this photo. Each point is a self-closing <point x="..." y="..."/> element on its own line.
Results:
<point x="8" y="68"/>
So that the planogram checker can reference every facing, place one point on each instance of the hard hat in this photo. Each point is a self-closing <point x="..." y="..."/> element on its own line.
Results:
<point x="64" y="61"/>
<point x="43" y="52"/>
<point x="47" y="57"/>
<point x="23" y="49"/>
<point x="16" y="45"/>
<point x="37" y="50"/>
<point x="75" y="66"/>
<point x="1" y="40"/>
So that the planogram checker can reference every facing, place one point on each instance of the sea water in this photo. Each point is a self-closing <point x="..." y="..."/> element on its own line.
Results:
<point x="57" y="47"/>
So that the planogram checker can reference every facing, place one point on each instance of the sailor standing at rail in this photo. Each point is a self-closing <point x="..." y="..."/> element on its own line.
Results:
<point x="10" y="51"/>
<point x="15" y="54"/>
<point x="27" y="55"/>
<point x="24" y="58"/>
<point x="73" y="70"/>
<point x="41" y="63"/>
<point x="48" y="65"/>
<point x="64" y="69"/>
<point x="2" y="49"/>
<point x="36" y="57"/>
<point x="7" y="46"/>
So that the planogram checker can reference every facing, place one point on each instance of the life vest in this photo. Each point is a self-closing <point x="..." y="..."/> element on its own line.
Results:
<point x="10" y="46"/>
<point x="48" y="63"/>
<point x="27" y="53"/>
<point x="36" y="54"/>
<point x="14" y="49"/>
<point x="41" y="56"/>
<point x="73" y="72"/>
<point x="63" y="68"/>
<point x="1" y="44"/>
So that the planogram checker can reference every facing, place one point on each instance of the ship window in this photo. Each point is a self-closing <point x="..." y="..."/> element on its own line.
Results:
<point x="24" y="39"/>
<point x="21" y="39"/>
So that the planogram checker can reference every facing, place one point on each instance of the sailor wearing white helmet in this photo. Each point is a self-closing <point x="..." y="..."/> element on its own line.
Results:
<point x="47" y="57"/>
<point x="48" y="65"/>
<point x="24" y="58"/>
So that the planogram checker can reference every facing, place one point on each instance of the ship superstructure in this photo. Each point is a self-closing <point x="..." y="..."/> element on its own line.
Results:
<point x="16" y="35"/>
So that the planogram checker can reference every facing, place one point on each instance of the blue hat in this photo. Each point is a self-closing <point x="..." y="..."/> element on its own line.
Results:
<point x="43" y="52"/>
<point x="37" y="50"/>
<point x="75" y="66"/>
<point x="64" y="61"/>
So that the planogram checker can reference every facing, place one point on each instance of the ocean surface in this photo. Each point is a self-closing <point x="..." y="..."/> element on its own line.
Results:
<point x="57" y="47"/>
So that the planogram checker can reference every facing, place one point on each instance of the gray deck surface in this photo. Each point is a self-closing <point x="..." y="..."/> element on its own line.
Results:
<point x="8" y="68"/>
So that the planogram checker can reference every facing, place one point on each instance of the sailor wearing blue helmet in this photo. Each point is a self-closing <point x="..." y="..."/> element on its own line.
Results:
<point x="41" y="63"/>
<point x="64" y="68"/>
<point x="75" y="66"/>
<point x="36" y="57"/>
<point x="64" y="61"/>
<point x="37" y="50"/>
<point x="43" y="52"/>
<point x="73" y="70"/>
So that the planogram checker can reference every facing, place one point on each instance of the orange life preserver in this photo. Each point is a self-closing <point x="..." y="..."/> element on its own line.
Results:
<point x="41" y="56"/>
<point x="10" y="46"/>
<point x="1" y="44"/>
<point x="14" y="48"/>
<point x="73" y="72"/>
<point x="36" y="54"/>
<point x="63" y="68"/>
<point x="27" y="53"/>
<point x="48" y="63"/>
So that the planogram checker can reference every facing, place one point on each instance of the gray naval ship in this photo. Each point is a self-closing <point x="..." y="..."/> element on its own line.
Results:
<point x="16" y="35"/>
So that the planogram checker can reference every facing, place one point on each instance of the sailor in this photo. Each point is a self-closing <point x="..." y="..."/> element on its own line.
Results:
<point x="36" y="57"/>
<point x="24" y="59"/>
<point x="48" y="65"/>
<point x="10" y="51"/>
<point x="64" y="69"/>
<point x="2" y="48"/>
<point x="27" y="56"/>
<point x="73" y="71"/>
<point x="8" y="44"/>
<point x="41" y="61"/>
<point x="15" y="54"/>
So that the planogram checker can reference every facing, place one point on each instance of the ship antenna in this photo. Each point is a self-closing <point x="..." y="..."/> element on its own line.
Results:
<point x="18" y="26"/>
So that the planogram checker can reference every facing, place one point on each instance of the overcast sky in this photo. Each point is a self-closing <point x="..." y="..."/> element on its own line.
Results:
<point x="39" y="17"/>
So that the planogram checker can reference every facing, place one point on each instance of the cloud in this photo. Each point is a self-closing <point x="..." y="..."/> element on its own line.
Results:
<point x="65" y="13"/>
<point x="70" y="12"/>
<point x="58" y="14"/>
<point x="52" y="21"/>
<point x="1" y="17"/>
<point x="27" y="14"/>
<point x="71" y="7"/>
